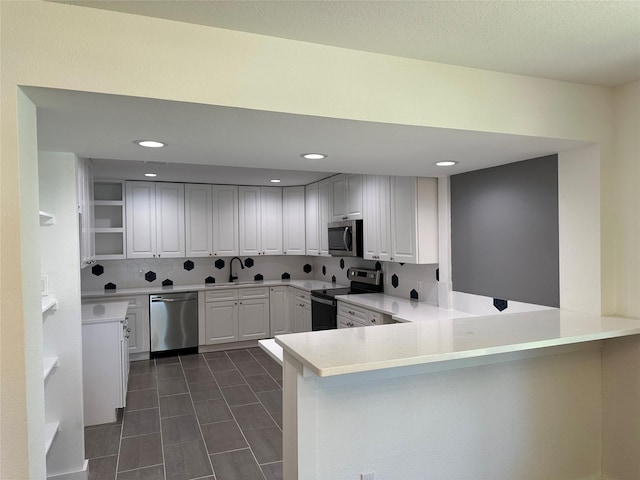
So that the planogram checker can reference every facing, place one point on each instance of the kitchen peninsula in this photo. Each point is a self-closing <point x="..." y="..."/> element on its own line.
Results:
<point x="516" y="395"/>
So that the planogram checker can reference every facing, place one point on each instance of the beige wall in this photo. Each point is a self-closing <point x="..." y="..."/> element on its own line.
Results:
<point x="61" y="46"/>
<point x="626" y="208"/>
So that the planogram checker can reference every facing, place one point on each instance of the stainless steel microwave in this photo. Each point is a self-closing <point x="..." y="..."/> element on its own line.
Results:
<point x="345" y="238"/>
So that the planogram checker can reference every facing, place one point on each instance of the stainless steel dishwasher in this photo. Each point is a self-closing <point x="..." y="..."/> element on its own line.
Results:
<point x="173" y="323"/>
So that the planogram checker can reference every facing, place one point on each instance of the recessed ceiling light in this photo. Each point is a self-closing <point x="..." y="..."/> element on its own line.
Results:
<point x="149" y="143"/>
<point x="313" y="156"/>
<point x="446" y="163"/>
<point x="275" y="180"/>
<point x="150" y="175"/>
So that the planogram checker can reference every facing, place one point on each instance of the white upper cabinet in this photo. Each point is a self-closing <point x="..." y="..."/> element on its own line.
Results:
<point x="260" y="220"/>
<point x="198" y="220"/>
<point x="271" y="215"/>
<point x="141" y="219"/>
<point x="414" y="220"/>
<point x="155" y="220"/>
<point x="325" y="205"/>
<point x="347" y="196"/>
<point x="211" y="220"/>
<point x="318" y="215"/>
<point x="312" y="222"/>
<point x="225" y="220"/>
<point x="377" y="217"/>
<point x="170" y="220"/>
<point x="84" y="179"/>
<point x="293" y="221"/>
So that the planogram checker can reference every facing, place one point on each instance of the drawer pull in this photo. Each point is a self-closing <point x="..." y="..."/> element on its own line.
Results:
<point x="351" y="312"/>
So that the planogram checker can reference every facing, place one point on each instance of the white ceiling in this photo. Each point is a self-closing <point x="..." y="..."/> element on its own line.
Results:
<point x="595" y="42"/>
<point x="250" y="147"/>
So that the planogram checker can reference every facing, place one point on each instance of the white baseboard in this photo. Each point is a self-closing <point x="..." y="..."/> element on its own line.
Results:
<point x="82" y="474"/>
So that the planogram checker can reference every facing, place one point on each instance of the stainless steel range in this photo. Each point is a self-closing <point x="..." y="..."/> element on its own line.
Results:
<point x="324" y="306"/>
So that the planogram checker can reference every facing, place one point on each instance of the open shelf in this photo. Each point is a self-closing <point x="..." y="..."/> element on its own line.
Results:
<point x="109" y="214"/>
<point x="49" y="364"/>
<point x="50" y="432"/>
<point x="48" y="303"/>
<point x="46" y="218"/>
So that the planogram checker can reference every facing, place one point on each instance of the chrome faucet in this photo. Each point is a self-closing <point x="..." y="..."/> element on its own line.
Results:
<point x="233" y="278"/>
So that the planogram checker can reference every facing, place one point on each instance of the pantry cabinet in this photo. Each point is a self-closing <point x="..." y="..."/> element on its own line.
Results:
<point x="155" y="220"/>
<point x="293" y="221"/>
<point x="325" y="205"/>
<point x="260" y="220"/>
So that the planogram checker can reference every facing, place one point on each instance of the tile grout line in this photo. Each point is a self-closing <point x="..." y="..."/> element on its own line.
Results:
<point x="236" y="420"/>
<point x="259" y="400"/>
<point x="213" y="472"/>
<point x="164" y="466"/>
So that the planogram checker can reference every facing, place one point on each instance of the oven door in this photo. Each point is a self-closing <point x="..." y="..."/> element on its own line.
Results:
<point x="324" y="313"/>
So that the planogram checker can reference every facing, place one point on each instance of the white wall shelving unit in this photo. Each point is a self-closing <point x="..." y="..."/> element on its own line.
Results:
<point x="109" y="218"/>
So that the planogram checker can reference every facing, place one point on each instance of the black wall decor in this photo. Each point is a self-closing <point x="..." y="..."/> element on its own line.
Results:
<point x="248" y="262"/>
<point x="209" y="280"/>
<point x="97" y="270"/>
<point x="504" y="231"/>
<point x="110" y="286"/>
<point x="167" y="282"/>
<point x="188" y="265"/>
<point x="219" y="264"/>
<point x="150" y="276"/>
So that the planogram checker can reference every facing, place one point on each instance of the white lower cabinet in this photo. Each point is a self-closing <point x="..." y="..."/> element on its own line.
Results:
<point x="221" y="322"/>
<point x="253" y="319"/>
<point x="352" y="316"/>
<point x="137" y="319"/>
<point x="233" y="315"/>
<point x="300" y="307"/>
<point x="105" y="367"/>
<point x="278" y="310"/>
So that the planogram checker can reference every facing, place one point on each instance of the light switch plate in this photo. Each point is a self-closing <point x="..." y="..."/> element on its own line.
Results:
<point x="44" y="285"/>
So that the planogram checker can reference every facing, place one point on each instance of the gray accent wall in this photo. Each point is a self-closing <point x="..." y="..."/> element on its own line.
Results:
<point x="504" y="232"/>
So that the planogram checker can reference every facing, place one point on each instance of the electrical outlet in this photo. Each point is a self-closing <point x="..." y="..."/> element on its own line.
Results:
<point x="367" y="476"/>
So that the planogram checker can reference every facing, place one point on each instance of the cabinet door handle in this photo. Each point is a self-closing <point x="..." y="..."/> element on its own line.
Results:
<point x="373" y="320"/>
<point x="351" y="312"/>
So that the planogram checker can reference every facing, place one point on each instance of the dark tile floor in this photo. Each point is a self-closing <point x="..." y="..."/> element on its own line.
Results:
<point x="209" y="416"/>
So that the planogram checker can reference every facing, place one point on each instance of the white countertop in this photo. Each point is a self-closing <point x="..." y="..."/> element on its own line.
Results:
<point x="104" y="312"/>
<point x="303" y="284"/>
<point x="351" y="350"/>
<point x="400" y="309"/>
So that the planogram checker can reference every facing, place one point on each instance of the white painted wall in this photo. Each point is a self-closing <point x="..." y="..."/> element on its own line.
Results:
<point x="63" y="46"/>
<point x="579" y="211"/>
<point x="625" y="235"/>
<point x="62" y="328"/>
<point x="621" y="409"/>
<point x="533" y="418"/>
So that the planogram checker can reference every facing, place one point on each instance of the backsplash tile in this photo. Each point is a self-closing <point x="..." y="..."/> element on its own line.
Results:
<point x="418" y="278"/>
<point x="133" y="273"/>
